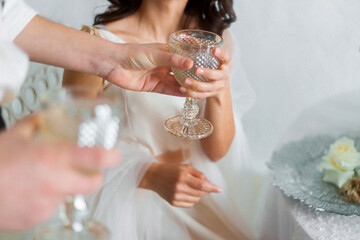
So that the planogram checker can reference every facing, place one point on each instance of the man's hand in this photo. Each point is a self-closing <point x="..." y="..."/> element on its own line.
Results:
<point x="146" y="67"/>
<point x="36" y="177"/>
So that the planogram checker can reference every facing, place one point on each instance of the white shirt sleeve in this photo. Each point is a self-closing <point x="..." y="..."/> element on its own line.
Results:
<point x="15" y="16"/>
<point x="13" y="62"/>
<point x="13" y="68"/>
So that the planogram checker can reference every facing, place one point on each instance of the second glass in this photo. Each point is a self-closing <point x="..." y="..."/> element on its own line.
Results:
<point x="89" y="118"/>
<point x="197" y="45"/>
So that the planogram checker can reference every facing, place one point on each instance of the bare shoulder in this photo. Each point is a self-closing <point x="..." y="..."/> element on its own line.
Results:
<point x="122" y="29"/>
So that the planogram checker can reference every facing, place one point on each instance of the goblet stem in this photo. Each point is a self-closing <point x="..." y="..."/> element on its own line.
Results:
<point x="188" y="125"/>
<point x="74" y="213"/>
<point x="74" y="223"/>
<point x="189" y="112"/>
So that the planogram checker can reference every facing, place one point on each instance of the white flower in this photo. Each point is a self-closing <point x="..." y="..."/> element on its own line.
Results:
<point x="340" y="161"/>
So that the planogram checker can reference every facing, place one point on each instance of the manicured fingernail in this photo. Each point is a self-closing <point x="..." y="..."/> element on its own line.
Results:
<point x="219" y="190"/>
<point x="217" y="51"/>
<point x="200" y="71"/>
<point x="187" y="63"/>
<point x="188" y="82"/>
<point x="182" y="89"/>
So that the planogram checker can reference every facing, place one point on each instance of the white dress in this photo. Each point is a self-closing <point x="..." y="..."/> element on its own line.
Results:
<point x="132" y="213"/>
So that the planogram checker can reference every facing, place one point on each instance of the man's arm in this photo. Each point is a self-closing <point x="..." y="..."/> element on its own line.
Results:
<point x="54" y="44"/>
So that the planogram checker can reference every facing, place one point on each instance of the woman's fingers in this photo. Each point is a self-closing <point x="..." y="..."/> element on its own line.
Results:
<point x="195" y="94"/>
<point x="213" y="74"/>
<point x="218" y="78"/>
<point x="190" y="191"/>
<point x="182" y="197"/>
<point x="203" y="87"/>
<point x="182" y="204"/>
<point x="203" y="185"/>
<point x="196" y="173"/>
<point x="222" y="54"/>
<point x="189" y="187"/>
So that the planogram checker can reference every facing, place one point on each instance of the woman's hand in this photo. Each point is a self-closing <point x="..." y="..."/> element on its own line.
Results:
<point x="179" y="185"/>
<point x="219" y="79"/>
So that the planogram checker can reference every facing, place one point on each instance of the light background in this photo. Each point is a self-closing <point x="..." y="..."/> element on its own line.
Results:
<point x="295" y="54"/>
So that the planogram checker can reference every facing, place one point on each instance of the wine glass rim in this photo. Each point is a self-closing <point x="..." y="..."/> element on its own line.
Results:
<point x="216" y="44"/>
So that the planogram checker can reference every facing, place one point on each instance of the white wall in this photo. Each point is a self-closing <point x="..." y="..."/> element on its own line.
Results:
<point x="69" y="12"/>
<point x="295" y="53"/>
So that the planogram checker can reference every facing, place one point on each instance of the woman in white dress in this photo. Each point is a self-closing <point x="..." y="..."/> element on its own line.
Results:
<point x="168" y="188"/>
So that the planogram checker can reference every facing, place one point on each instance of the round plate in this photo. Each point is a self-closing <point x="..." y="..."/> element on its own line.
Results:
<point x="294" y="173"/>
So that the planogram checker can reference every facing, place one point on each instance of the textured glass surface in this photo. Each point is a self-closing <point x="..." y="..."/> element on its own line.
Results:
<point x="197" y="45"/>
<point x="89" y="118"/>
<point x="57" y="231"/>
<point x="294" y="173"/>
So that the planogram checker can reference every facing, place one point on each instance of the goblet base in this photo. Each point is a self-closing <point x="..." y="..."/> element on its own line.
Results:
<point x="197" y="128"/>
<point x="58" y="231"/>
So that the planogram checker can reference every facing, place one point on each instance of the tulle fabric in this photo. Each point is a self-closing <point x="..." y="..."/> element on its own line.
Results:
<point x="132" y="213"/>
<point x="128" y="212"/>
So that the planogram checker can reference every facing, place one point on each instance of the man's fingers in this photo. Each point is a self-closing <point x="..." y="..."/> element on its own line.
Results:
<point x="85" y="183"/>
<point x="168" y="90"/>
<point x="65" y="181"/>
<point x="85" y="159"/>
<point x="27" y="126"/>
<point x="161" y="46"/>
<point x="162" y="57"/>
<point x="203" y="185"/>
<point x="94" y="158"/>
<point x="173" y="60"/>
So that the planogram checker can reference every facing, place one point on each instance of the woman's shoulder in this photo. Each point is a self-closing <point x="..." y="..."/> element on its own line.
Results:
<point x="123" y="29"/>
<point x="90" y="29"/>
<point x="103" y="32"/>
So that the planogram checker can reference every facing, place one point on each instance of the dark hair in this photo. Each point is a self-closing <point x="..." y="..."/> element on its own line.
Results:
<point x="211" y="15"/>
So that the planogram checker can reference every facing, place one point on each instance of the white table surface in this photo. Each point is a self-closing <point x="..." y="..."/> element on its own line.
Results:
<point x="289" y="219"/>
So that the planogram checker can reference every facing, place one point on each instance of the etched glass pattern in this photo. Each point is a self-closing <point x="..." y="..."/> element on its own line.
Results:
<point x="199" y="46"/>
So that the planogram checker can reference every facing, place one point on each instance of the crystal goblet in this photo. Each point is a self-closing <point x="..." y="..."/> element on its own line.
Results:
<point x="197" y="45"/>
<point x="86" y="117"/>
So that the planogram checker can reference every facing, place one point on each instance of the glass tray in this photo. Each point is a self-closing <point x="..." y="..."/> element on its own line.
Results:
<point x="294" y="173"/>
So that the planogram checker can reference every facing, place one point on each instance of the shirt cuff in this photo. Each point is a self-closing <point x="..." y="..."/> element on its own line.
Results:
<point x="16" y="15"/>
